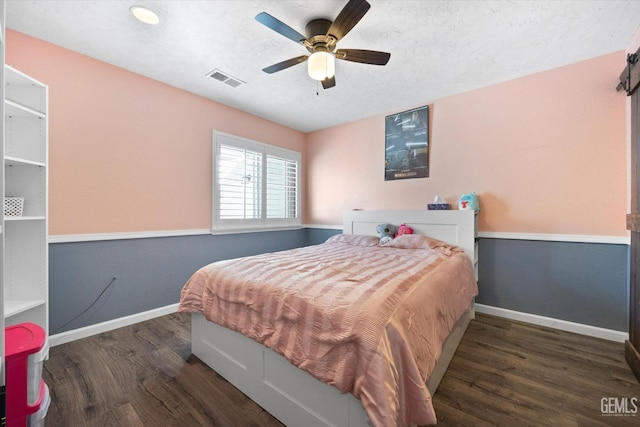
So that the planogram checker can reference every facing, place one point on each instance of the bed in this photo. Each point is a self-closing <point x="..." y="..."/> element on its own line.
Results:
<point x="369" y="352"/>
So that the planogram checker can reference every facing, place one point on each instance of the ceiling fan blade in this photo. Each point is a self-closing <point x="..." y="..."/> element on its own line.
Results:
<point x="363" y="56"/>
<point x="329" y="82"/>
<point x="284" y="64"/>
<point x="279" y="27"/>
<point x="348" y="17"/>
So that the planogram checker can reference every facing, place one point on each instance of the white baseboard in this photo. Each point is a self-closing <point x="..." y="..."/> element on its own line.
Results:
<point x="578" y="328"/>
<point x="110" y="325"/>
<point x="564" y="325"/>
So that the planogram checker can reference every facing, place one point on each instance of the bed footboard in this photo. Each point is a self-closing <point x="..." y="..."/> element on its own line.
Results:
<point x="290" y="394"/>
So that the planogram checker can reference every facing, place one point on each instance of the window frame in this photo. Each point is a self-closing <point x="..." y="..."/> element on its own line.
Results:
<point x="221" y="225"/>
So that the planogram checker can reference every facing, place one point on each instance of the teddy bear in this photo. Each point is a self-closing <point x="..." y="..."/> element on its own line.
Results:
<point x="404" y="229"/>
<point x="386" y="232"/>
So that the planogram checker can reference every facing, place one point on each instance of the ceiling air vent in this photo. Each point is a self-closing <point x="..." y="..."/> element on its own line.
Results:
<point x="224" y="78"/>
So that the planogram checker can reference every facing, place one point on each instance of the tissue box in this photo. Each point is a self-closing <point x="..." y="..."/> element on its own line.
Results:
<point x="438" y="206"/>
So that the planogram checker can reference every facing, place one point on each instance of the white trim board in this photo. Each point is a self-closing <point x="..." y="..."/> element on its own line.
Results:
<point x="92" y="237"/>
<point x="95" y="237"/>
<point x="576" y="238"/>
<point x="109" y="325"/>
<point x="550" y="322"/>
<point x="323" y="226"/>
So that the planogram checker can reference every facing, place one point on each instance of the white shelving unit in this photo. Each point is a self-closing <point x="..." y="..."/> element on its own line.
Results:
<point x="2" y="39"/>
<point x="25" y="272"/>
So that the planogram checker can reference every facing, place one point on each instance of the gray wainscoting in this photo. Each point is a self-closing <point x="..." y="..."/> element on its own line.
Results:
<point x="579" y="282"/>
<point x="315" y="236"/>
<point x="584" y="283"/>
<point x="149" y="272"/>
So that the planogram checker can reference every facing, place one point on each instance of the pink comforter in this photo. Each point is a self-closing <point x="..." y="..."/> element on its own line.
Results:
<point x="369" y="320"/>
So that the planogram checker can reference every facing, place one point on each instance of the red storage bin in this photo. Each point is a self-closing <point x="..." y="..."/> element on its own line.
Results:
<point x="26" y="348"/>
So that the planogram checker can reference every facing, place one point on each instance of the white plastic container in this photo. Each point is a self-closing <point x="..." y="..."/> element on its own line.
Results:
<point x="34" y="373"/>
<point x="37" y="418"/>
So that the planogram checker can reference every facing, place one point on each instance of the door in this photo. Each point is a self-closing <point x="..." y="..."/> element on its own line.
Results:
<point x="629" y="81"/>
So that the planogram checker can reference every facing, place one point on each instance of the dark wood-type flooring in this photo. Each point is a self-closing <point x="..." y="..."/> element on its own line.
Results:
<point x="504" y="373"/>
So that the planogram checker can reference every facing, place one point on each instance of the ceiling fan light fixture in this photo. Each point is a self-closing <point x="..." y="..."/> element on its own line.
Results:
<point x="144" y="14"/>
<point x="321" y="65"/>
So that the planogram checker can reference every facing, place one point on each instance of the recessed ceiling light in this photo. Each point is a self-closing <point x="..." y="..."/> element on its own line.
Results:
<point x="144" y="14"/>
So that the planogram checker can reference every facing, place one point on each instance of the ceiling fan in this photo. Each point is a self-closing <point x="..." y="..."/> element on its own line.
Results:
<point x="321" y="38"/>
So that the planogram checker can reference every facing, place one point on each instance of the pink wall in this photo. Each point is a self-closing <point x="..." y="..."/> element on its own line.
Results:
<point x="545" y="153"/>
<point x="128" y="153"/>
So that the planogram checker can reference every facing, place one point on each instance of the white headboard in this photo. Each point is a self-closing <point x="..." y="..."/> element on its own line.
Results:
<point x="456" y="227"/>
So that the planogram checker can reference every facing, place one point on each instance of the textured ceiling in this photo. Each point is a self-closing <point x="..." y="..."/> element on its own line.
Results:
<point x="438" y="48"/>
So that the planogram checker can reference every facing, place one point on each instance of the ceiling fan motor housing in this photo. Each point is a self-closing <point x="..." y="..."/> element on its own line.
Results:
<point x="317" y="38"/>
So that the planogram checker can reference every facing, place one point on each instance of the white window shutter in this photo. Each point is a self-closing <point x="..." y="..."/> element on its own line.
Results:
<point x="255" y="185"/>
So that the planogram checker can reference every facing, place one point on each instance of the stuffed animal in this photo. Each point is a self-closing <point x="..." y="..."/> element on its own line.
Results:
<point x="469" y="202"/>
<point x="386" y="232"/>
<point x="404" y="229"/>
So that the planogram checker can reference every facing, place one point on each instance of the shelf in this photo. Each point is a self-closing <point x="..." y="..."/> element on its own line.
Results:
<point x="15" y="161"/>
<point x="13" y="307"/>
<point x="13" y="109"/>
<point x="25" y="218"/>
<point x="24" y="94"/>
<point x="15" y="77"/>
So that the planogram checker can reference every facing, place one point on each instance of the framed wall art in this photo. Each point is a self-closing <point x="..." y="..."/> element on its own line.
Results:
<point x="406" y="144"/>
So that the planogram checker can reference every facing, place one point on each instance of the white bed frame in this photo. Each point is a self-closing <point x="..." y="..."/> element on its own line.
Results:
<point x="291" y="394"/>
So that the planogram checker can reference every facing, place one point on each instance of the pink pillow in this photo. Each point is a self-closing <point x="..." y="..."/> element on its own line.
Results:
<point x="354" y="240"/>
<point x="416" y="241"/>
